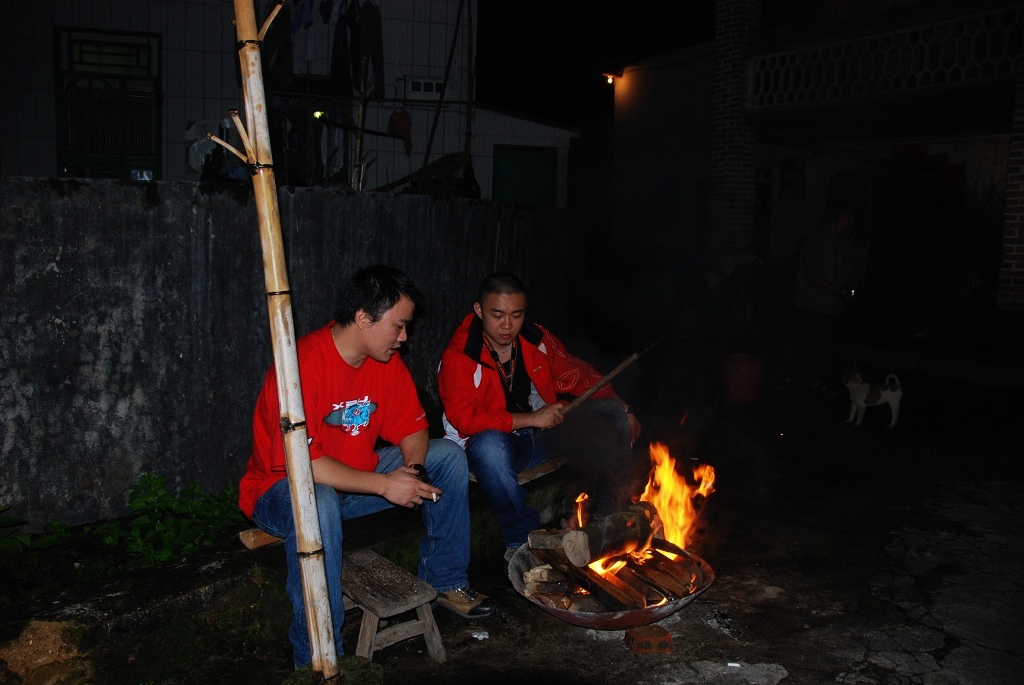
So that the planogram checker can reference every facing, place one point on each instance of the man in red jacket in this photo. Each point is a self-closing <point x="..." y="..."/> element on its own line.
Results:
<point x="499" y="381"/>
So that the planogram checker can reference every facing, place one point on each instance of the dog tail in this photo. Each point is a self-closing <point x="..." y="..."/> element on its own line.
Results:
<point x="892" y="380"/>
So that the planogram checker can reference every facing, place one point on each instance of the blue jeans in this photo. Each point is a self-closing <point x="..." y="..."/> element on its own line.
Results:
<point x="595" y="435"/>
<point x="444" y="550"/>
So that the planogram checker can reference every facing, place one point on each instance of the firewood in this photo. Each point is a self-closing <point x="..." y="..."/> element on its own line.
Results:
<point x="542" y="574"/>
<point x="614" y="594"/>
<point x="554" y="601"/>
<point x="545" y="539"/>
<point x="534" y="588"/>
<point x="626" y="531"/>
<point x="587" y="604"/>
<point x="667" y="582"/>
<point x="683" y="570"/>
<point x="652" y="593"/>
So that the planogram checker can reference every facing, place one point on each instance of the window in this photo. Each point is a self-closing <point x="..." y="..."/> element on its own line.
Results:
<point x="425" y="89"/>
<point x="108" y="104"/>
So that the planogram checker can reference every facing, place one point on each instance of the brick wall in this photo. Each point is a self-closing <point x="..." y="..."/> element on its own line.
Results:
<point x="1011" y="273"/>
<point x="732" y="142"/>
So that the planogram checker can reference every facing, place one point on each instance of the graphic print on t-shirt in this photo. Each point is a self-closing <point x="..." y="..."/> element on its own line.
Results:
<point x="351" y="416"/>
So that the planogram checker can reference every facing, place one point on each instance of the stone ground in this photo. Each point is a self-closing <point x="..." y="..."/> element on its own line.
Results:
<point x="841" y="555"/>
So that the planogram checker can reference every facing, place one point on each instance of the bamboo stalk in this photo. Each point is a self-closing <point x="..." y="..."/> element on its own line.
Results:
<point x="256" y="138"/>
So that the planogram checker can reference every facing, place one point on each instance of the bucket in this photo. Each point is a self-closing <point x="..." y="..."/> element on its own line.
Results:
<point x="741" y="377"/>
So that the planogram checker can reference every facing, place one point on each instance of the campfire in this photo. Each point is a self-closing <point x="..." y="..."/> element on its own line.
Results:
<point x="627" y="569"/>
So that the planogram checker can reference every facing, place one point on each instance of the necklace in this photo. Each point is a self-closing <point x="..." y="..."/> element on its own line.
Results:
<point x="506" y="376"/>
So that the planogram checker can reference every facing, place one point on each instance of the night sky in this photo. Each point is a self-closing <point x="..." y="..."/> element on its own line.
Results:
<point x="544" y="58"/>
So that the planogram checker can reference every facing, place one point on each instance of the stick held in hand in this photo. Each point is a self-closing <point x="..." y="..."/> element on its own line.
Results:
<point x="606" y="379"/>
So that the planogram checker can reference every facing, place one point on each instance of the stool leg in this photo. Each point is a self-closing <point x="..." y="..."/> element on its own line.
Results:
<point x="367" y="634"/>
<point x="431" y="634"/>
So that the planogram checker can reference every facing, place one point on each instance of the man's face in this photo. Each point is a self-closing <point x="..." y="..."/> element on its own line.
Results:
<point x="502" y="317"/>
<point x="384" y="336"/>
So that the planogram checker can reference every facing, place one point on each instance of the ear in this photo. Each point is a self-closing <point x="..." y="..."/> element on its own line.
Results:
<point x="478" y="310"/>
<point x="363" y="320"/>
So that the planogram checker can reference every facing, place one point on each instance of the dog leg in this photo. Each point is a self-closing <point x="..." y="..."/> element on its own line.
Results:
<point x="861" y="410"/>
<point x="853" y="412"/>
<point x="894" y="408"/>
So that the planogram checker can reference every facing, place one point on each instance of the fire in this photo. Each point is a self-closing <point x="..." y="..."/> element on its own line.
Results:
<point x="607" y="565"/>
<point x="580" y="516"/>
<point x="673" y="497"/>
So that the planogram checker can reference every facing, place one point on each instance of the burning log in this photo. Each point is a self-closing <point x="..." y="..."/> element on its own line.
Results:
<point x="627" y="531"/>
<point x="669" y="576"/>
<point x="609" y="590"/>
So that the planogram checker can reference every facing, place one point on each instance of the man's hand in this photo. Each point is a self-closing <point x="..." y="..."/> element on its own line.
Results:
<point x="403" y="488"/>
<point x="549" y="417"/>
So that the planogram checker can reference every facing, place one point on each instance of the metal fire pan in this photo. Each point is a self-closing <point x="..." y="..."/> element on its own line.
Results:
<point x="523" y="560"/>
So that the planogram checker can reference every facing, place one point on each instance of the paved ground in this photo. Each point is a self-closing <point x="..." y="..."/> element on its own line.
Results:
<point x="841" y="554"/>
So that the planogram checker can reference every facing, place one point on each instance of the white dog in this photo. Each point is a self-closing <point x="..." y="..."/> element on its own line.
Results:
<point x="864" y="395"/>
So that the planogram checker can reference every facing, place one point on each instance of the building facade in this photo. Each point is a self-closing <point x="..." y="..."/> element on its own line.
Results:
<point x="373" y="95"/>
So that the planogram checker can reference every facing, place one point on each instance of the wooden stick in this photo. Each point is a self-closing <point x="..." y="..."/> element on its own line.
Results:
<point x="609" y="376"/>
<point x="309" y="543"/>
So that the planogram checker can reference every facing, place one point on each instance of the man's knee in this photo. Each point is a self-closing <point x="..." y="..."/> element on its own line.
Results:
<point x="446" y="453"/>
<point x="487" y="446"/>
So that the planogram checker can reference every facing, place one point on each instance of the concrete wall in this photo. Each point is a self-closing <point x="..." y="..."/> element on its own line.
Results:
<point x="134" y="333"/>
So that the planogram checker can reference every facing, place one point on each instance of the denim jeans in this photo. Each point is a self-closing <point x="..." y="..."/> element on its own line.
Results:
<point x="444" y="549"/>
<point x="595" y="435"/>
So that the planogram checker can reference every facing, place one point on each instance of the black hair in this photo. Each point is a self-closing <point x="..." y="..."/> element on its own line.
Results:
<point x="501" y="283"/>
<point x="375" y="290"/>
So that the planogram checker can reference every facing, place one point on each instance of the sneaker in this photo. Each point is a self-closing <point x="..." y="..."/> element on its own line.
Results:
<point x="466" y="603"/>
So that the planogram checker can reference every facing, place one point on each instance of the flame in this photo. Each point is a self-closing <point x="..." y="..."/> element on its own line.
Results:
<point x="579" y="509"/>
<point x="673" y="497"/>
<point x="606" y="566"/>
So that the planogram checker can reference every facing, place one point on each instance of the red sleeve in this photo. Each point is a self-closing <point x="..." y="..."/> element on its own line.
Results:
<point x="404" y="415"/>
<point x="571" y="374"/>
<point x="471" y="406"/>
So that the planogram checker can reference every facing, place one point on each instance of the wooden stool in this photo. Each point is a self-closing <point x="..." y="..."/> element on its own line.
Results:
<point x="380" y="589"/>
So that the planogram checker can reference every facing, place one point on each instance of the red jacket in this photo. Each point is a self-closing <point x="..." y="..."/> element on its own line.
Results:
<point x="471" y="390"/>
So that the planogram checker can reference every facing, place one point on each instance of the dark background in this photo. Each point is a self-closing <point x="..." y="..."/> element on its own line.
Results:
<point x="545" y="59"/>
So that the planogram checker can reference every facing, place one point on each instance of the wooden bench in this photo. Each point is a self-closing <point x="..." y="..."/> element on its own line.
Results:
<point x="550" y="466"/>
<point x="380" y="589"/>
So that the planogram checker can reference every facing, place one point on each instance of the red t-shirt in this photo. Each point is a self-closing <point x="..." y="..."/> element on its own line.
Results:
<point x="346" y="410"/>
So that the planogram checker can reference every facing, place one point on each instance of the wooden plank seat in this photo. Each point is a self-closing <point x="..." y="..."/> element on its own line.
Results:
<point x="550" y="466"/>
<point x="380" y="589"/>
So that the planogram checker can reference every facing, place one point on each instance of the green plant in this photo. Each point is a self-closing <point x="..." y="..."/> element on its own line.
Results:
<point x="20" y="552"/>
<point x="165" y="526"/>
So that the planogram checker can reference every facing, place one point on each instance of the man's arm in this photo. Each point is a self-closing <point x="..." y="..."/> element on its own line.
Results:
<point x="414" y="448"/>
<point x="401" y="487"/>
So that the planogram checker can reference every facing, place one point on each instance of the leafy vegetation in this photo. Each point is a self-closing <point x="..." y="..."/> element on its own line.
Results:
<point x="20" y="552"/>
<point x="163" y="527"/>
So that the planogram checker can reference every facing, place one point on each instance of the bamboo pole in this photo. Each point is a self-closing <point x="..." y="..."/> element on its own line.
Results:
<point x="255" y="135"/>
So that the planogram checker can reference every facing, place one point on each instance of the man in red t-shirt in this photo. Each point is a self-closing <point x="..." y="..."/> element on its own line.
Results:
<point x="356" y="389"/>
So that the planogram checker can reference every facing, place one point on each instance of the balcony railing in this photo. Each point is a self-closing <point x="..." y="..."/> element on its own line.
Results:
<point x="956" y="52"/>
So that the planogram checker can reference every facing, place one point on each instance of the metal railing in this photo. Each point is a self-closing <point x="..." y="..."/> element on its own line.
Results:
<point x="955" y="52"/>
